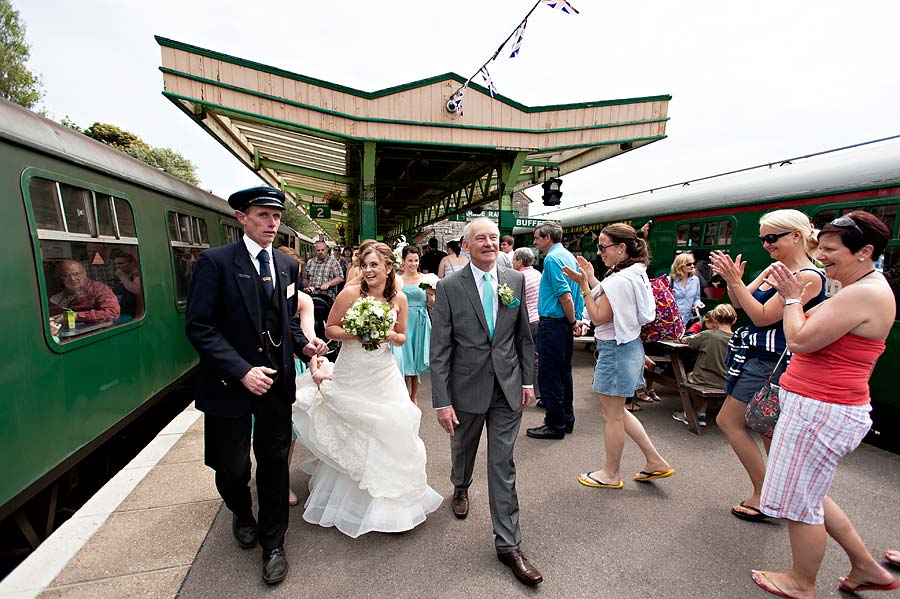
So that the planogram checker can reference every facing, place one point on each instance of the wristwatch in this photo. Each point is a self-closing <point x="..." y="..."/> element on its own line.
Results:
<point x="573" y="323"/>
<point x="792" y="300"/>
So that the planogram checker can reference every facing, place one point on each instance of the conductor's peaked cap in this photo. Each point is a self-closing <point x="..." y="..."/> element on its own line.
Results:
<point x="257" y="196"/>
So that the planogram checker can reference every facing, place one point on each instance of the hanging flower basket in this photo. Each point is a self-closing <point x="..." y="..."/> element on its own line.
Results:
<point x="334" y="200"/>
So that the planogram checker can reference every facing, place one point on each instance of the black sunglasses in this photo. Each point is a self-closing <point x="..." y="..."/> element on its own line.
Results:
<point x="603" y="248"/>
<point x="772" y="237"/>
<point x="845" y="222"/>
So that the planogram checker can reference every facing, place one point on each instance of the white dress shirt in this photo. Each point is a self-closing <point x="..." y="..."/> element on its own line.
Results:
<point x="254" y="249"/>
<point x="479" y="283"/>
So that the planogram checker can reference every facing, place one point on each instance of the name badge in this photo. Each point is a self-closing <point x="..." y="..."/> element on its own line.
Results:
<point x="290" y="291"/>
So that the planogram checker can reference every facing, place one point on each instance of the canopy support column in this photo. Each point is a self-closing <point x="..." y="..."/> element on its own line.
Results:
<point x="510" y="167"/>
<point x="367" y="213"/>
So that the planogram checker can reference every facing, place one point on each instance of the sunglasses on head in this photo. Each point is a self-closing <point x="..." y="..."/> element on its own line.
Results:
<point x="772" y="237"/>
<point x="845" y="222"/>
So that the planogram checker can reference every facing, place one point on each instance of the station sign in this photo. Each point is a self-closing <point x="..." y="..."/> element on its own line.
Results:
<point x="469" y="215"/>
<point x="319" y="211"/>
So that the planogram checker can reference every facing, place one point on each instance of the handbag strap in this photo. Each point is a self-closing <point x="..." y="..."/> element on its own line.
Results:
<point x="777" y="364"/>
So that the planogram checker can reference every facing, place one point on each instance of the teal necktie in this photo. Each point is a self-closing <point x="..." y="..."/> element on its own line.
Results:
<point x="487" y="300"/>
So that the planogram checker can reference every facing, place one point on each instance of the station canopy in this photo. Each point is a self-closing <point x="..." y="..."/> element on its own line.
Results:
<point x="393" y="161"/>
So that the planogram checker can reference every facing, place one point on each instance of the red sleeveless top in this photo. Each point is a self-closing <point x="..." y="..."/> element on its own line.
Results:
<point x="838" y="373"/>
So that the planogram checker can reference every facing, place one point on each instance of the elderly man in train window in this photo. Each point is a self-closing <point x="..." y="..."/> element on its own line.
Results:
<point x="92" y="301"/>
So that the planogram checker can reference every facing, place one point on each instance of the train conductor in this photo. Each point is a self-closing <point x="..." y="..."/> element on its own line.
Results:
<point x="242" y="320"/>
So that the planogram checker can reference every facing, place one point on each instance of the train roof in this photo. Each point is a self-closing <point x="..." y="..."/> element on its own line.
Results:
<point x="862" y="166"/>
<point x="22" y="126"/>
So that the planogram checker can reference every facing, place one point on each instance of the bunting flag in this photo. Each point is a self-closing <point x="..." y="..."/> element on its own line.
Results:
<point x="458" y="97"/>
<point x="518" y="35"/>
<point x="562" y="5"/>
<point x="488" y="81"/>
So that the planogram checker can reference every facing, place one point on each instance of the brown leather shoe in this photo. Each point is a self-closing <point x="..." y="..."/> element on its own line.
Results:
<point x="521" y="567"/>
<point x="460" y="503"/>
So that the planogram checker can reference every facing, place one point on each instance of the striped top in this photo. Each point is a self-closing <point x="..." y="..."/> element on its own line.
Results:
<point x="532" y="288"/>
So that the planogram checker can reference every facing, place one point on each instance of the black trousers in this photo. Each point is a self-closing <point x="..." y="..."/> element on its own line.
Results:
<point x="227" y="451"/>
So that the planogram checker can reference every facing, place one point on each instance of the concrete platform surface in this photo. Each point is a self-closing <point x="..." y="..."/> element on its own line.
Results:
<point x="670" y="538"/>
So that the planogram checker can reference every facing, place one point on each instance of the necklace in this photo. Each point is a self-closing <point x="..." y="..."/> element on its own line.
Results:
<point x="863" y="277"/>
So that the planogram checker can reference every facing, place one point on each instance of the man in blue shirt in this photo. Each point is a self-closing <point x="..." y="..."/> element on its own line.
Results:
<point x="559" y="306"/>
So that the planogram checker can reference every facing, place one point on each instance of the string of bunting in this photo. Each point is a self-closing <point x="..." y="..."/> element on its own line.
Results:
<point x="518" y="34"/>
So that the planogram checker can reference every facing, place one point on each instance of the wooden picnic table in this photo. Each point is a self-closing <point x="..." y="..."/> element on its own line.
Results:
<point x="676" y="352"/>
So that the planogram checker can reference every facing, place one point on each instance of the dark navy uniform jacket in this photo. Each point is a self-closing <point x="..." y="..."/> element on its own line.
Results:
<point x="223" y="323"/>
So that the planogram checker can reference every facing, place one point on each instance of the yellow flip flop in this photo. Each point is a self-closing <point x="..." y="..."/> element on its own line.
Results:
<point x="643" y="475"/>
<point x="589" y="481"/>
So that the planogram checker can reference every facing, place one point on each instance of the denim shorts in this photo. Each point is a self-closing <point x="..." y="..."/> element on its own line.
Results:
<point x="620" y="368"/>
<point x="754" y="375"/>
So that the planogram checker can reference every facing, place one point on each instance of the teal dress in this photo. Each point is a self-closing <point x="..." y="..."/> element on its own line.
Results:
<point x="412" y="356"/>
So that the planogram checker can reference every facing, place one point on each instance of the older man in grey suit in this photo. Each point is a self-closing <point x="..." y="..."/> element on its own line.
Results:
<point x="481" y="371"/>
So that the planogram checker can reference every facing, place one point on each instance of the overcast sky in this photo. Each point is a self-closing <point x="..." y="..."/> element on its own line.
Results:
<point x="752" y="82"/>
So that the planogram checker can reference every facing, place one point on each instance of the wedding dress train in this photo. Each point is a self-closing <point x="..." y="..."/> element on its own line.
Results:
<point x="368" y="473"/>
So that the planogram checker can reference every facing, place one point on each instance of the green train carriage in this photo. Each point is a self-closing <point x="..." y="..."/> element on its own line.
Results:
<point x="68" y="199"/>
<point x="722" y="213"/>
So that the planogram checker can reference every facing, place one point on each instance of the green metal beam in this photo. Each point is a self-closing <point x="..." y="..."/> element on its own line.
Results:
<point x="302" y="191"/>
<point x="302" y="170"/>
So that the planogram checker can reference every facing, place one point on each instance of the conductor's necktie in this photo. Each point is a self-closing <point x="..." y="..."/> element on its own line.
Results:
<point x="265" y="273"/>
<point x="487" y="300"/>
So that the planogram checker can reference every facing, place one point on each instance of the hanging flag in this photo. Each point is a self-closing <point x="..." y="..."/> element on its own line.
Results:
<point x="562" y="5"/>
<point x="488" y="81"/>
<point x="518" y="35"/>
<point x="458" y="97"/>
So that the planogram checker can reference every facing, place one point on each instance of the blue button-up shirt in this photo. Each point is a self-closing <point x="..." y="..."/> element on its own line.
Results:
<point x="555" y="283"/>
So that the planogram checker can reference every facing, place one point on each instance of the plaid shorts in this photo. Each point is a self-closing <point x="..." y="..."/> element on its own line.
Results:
<point x="810" y="437"/>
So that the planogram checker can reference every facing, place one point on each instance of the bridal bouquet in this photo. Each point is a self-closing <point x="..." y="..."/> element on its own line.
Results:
<point x="429" y="281"/>
<point x="370" y="320"/>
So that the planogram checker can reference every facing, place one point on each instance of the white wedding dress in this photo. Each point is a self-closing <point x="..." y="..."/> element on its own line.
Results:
<point x="368" y="473"/>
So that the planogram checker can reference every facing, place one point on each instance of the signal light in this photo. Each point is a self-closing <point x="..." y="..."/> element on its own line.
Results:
<point x="552" y="194"/>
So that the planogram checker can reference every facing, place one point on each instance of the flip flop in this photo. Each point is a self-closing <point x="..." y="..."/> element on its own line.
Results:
<point x="756" y="516"/>
<point x="863" y="586"/>
<point x="633" y="407"/>
<point x="643" y="475"/>
<point x="589" y="481"/>
<point x="767" y="585"/>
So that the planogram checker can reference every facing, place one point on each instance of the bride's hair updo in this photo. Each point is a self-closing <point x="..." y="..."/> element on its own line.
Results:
<point x="387" y="257"/>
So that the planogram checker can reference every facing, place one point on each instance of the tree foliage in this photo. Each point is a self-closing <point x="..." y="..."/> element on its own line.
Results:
<point x="165" y="159"/>
<point x="297" y="220"/>
<point x="17" y="83"/>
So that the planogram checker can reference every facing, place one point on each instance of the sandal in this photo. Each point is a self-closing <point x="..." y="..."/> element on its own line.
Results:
<point x="633" y="407"/>
<point x="652" y="395"/>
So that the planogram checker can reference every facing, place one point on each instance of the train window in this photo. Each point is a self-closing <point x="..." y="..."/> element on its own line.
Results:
<point x="125" y="219"/>
<point x="230" y="233"/>
<point x="90" y="285"/>
<point x="45" y="204"/>
<point x="76" y="211"/>
<point x="726" y="228"/>
<point x="689" y="234"/>
<point x="106" y="220"/>
<point x="886" y="212"/>
<point x="188" y="236"/>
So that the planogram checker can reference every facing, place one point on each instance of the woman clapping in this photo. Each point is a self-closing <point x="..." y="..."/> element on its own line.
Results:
<point x="825" y="403"/>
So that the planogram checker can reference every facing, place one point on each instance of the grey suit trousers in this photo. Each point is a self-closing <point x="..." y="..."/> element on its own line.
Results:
<point x="502" y="429"/>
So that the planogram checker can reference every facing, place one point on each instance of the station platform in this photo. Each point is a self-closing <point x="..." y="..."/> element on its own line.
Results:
<point x="159" y="530"/>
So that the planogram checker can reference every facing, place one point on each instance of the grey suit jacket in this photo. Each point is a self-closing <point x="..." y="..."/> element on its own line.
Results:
<point x="464" y="359"/>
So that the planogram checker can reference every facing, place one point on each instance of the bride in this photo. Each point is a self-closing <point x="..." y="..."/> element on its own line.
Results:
<point x="355" y="417"/>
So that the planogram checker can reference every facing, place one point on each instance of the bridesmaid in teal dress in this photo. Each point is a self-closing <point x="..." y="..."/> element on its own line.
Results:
<point x="412" y="356"/>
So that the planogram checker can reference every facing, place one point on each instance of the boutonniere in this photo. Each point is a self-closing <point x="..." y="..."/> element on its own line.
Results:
<point x="507" y="296"/>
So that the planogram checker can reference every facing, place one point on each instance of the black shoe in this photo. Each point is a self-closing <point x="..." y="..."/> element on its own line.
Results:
<point x="244" y="531"/>
<point x="545" y="432"/>
<point x="275" y="565"/>
<point x="539" y="403"/>
<point x="570" y="428"/>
